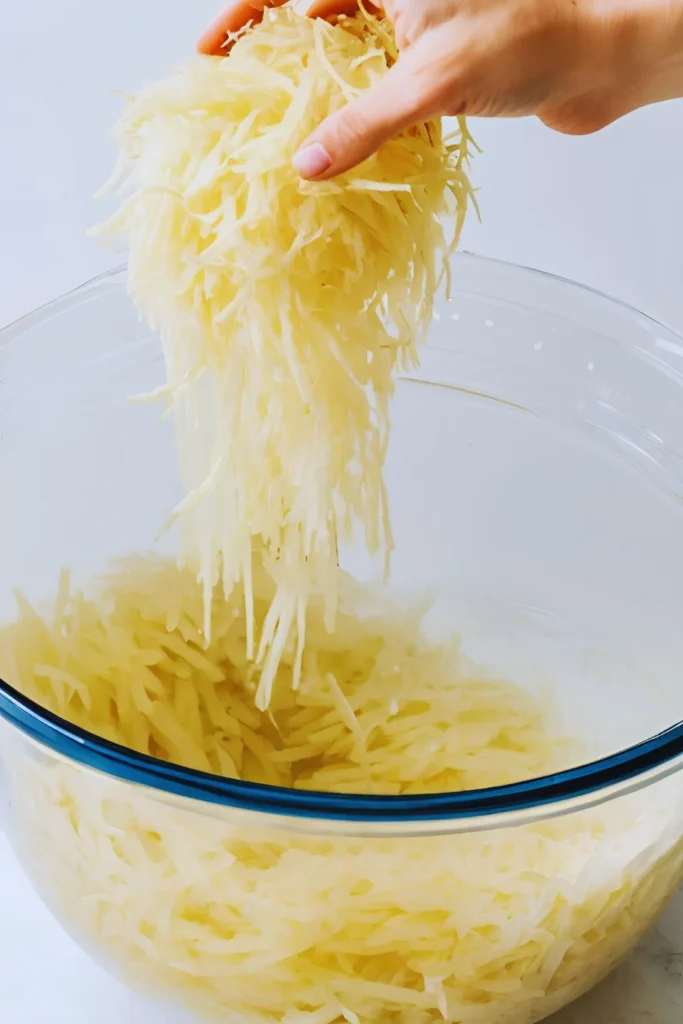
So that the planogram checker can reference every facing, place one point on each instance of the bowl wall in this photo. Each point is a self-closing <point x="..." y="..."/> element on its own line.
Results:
<point x="535" y="477"/>
<point x="236" y="916"/>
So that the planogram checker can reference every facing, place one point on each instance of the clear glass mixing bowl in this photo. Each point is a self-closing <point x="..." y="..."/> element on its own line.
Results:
<point x="535" y="475"/>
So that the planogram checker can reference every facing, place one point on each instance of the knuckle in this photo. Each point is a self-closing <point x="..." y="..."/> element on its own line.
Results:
<point x="431" y="85"/>
<point x="580" y="116"/>
<point x="350" y="123"/>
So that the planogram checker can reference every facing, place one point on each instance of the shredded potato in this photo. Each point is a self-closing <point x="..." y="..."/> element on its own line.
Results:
<point x="239" y="914"/>
<point x="285" y="311"/>
<point x="379" y="709"/>
<point x="285" y="308"/>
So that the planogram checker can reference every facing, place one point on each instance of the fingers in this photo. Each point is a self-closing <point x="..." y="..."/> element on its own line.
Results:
<point x="237" y="15"/>
<point x="359" y="129"/>
<point x="241" y="12"/>
<point x="330" y="8"/>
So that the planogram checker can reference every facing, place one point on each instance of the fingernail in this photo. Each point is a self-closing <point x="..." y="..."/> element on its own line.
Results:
<point x="312" y="161"/>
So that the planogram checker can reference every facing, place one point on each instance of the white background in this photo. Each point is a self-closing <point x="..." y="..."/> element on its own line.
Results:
<point x="606" y="210"/>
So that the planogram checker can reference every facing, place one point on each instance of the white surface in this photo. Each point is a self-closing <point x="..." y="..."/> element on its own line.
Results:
<point x="606" y="210"/>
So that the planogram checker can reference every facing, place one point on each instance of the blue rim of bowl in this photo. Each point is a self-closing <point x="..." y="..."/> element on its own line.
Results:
<point x="121" y="763"/>
<point x="621" y="771"/>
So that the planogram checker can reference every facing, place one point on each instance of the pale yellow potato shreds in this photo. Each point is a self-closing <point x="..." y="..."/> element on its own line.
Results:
<point x="262" y="921"/>
<point x="379" y="709"/>
<point x="285" y="308"/>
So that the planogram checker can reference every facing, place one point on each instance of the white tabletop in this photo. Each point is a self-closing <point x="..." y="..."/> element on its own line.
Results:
<point x="607" y="210"/>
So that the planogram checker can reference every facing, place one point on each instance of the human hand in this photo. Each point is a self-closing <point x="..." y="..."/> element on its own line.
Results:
<point x="577" y="64"/>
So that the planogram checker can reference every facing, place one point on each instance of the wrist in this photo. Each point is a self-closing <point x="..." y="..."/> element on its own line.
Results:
<point x="642" y="47"/>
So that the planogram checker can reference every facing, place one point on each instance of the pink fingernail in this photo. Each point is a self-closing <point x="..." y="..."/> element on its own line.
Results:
<point x="311" y="161"/>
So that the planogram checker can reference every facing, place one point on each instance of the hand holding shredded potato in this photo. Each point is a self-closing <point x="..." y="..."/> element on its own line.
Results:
<point x="577" y="64"/>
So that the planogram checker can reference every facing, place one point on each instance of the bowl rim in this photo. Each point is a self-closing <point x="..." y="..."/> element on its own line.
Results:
<point x="598" y="781"/>
<point x="495" y="807"/>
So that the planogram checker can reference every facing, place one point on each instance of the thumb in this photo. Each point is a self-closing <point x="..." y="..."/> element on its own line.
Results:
<point x="358" y="130"/>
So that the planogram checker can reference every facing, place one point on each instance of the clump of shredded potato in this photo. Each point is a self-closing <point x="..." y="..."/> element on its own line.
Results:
<point x="285" y="308"/>
<point x="242" y="915"/>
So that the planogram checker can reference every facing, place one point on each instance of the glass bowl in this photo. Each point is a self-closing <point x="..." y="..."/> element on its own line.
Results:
<point x="535" y="476"/>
